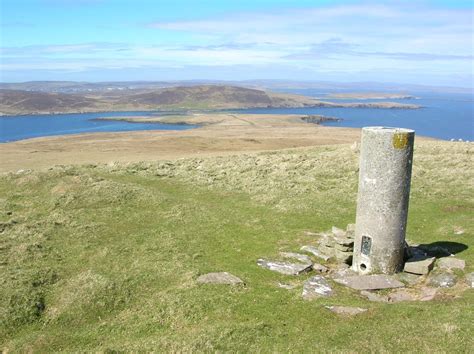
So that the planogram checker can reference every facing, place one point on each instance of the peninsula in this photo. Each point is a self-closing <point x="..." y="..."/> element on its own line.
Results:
<point x="200" y="97"/>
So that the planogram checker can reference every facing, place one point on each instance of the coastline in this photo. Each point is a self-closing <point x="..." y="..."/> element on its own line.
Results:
<point x="318" y="104"/>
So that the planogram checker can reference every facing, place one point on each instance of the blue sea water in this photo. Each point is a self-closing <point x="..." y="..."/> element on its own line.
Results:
<point x="443" y="116"/>
<point x="31" y="126"/>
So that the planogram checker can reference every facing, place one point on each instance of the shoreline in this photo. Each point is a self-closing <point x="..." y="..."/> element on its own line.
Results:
<point x="321" y="104"/>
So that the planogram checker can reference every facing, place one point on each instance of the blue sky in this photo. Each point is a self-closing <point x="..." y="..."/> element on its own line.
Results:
<point x="423" y="42"/>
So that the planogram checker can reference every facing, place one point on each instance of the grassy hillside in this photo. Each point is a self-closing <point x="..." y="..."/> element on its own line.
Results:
<point x="105" y="258"/>
<point x="200" y="97"/>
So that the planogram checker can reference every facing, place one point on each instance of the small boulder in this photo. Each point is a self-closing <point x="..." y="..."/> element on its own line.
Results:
<point x="419" y="265"/>
<point x="451" y="263"/>
<point x="443" y="280"/>
<point x="315" y="287"/>
<point x="345" y="310"/>
<point x="284" y="267"/>
<point x="219" y="278"/>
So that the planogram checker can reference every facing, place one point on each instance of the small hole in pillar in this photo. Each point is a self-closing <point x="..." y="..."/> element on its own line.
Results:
<point x="363" y="266"/>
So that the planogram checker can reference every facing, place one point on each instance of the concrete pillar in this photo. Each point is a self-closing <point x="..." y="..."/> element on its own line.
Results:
<point x="382" y="203"/>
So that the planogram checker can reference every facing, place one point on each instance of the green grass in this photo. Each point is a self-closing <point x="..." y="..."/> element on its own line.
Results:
<point x="103" y="258"/>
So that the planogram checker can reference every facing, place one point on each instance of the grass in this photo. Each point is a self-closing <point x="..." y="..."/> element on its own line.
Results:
<point x="104" y="258"/>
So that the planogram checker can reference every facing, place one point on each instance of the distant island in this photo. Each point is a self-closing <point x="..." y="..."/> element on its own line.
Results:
<point x="223" y="119"/>
<point x="199" y="97"/>
<point x="370" y="96"/>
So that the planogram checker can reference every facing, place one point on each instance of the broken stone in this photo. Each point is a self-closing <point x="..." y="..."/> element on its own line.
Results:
<point x="371" y="296"/>
<point x="400" y="295"/>
<point x="343" y="271"/>
<point x="409" y="278"/>
<point x="298" y="256"/>
<point x="314" y="251"/>
<point x="343" y="248"/>
<point x="443" y="280"/>
<point x="284" y="267"/>
<point x="345" y="310"/>
<point x="345" y="257"/>
<point x="338" y="232"/>
<point x="320" y="268"/>
<point x="351" y="227"/>
<point x="369" y="282"/>
<point x="419" y="265"/>
<point x="451" y="263"/>
<point x="470" y="279"/>
<point x="219" y="278"/>
<point x="427" y="294"/>
<point x="315" y="287"/>
<point x="344" y="242"/>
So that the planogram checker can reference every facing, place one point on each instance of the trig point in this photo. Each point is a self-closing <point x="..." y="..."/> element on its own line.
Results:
<point x="382" y="202"/>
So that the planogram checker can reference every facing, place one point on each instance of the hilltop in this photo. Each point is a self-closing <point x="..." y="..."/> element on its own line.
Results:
<point x="105" y="257"/>
<point x="199" y="97"/>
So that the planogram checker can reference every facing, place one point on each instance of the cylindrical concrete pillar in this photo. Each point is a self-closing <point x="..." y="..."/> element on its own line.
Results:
<point x="382" y="203"/>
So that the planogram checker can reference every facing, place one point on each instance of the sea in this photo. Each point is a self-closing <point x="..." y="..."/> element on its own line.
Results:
<point x="443" y="116"/>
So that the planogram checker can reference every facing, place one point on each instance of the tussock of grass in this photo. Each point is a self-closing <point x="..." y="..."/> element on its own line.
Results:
<point x="105" y="257"/>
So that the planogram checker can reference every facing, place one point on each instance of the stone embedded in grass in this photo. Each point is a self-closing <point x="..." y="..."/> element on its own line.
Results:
<point x="372" y="296"/>
<point x="369" y="282"/>
<point x="451" y="263"/>
<point x="303" y="258"/>
<point x="284" y="267"/>
<point x="443" y="280"/>
<point x="286" y="286"/>
<point x="314" y="251"/>
<point x="409" y="278"/>
<point x="401" y="295"/>
<point x="470" y="279"/>
<point x="419" y="265"/>
<point x="219" y="278"/>
<point x="320" y="268"/>
<point x="315" y="287"/>
<point x="345" y="310"/>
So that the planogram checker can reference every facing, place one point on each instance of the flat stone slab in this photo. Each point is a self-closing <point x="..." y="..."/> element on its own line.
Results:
<point x="451" y="263"/>
<point x="219" y="278"/>
<point x="409" y="278"/>
<point x="423" y="294"/>
<point x="303" y="258"/>
<point x="369" y="282"/>
<point x="315" y="252"/>
<point x="371" y="296"/>
<point x="315" y="287"/>
<point x="419" y="265"/>
<point x="284" y="267"/>
<point x="443" y="280"/>
<point x="345" y="310"/>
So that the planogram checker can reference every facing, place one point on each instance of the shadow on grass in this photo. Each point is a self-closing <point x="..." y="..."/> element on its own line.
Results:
<point x="441" y="249"/>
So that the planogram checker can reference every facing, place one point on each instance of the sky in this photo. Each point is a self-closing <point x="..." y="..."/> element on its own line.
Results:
<point x="417" y="42"/>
